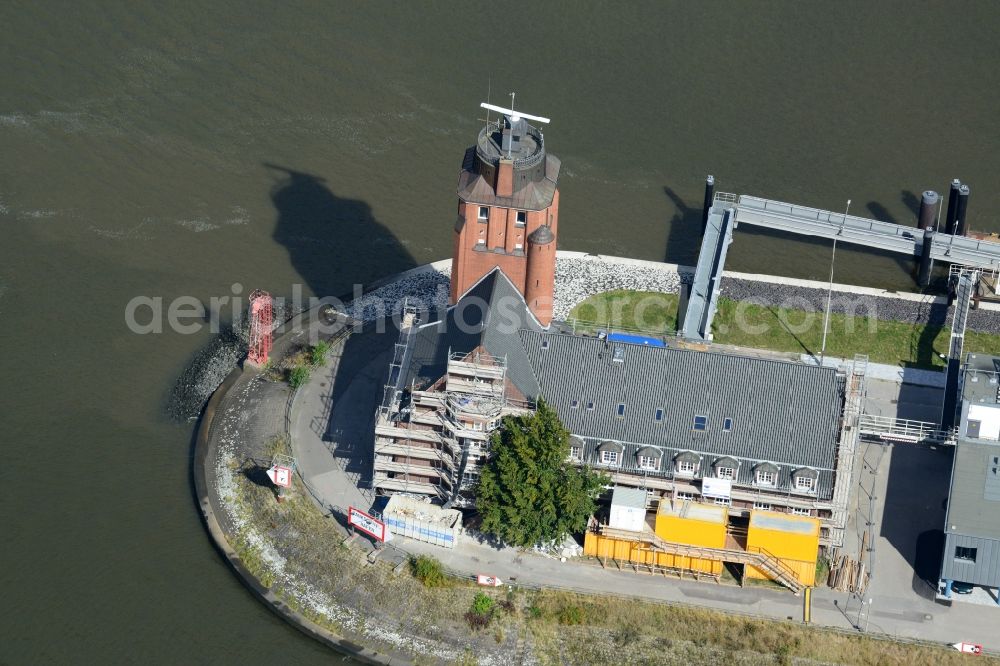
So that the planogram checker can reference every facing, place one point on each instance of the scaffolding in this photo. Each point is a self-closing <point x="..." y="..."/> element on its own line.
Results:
<point x="437" y="434"/>
<point x="854" y="396"/>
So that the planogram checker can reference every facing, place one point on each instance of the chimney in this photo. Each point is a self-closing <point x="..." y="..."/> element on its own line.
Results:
<point x="505" y="178"/>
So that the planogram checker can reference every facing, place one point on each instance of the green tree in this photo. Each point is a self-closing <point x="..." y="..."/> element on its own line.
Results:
<point x="528" y="492"/>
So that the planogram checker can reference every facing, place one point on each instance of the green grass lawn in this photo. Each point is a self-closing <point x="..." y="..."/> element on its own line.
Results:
<point x="783" y="329"/>
<point x="650" y="312"/>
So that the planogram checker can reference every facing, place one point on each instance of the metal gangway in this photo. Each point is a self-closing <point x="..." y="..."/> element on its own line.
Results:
<point x="808" y="221"/>
<point x="703" y="300"/>
<point x="966" y="281"/>
<point x="908" y="431"/>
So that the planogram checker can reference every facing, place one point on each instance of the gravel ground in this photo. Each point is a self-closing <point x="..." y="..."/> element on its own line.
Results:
<point x="295" y="550"/>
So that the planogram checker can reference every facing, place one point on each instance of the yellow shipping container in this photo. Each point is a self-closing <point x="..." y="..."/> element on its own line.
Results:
<point x="596" y="545"/>
<point x="792" y="539"/>
<point x="692" y="524"/>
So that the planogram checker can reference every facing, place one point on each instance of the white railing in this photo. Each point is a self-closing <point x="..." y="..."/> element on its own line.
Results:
<point x="905" y="430"/>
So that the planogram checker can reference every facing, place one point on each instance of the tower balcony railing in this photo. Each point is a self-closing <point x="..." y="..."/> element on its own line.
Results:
<point x="489" y="152"/>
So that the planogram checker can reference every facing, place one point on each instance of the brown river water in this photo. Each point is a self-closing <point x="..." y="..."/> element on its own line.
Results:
<point x="174" y="149"/>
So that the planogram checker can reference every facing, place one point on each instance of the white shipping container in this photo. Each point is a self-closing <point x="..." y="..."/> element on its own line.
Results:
<point x="628" y="509"/>
<point x="423" y="522"/>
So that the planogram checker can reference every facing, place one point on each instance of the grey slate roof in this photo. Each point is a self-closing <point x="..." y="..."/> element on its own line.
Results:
<point x="974" y="500"/>
<point x="532" y="196"/>
<point x="781" y="412"/>
<point x="490" y="314"/>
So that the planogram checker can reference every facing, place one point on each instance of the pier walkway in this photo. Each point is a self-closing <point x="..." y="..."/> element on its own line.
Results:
<point x="859" y="231"/>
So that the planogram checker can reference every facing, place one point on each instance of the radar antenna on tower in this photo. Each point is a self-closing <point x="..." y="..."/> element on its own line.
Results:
<point x="513" y="115"/>
<point x="514" y="119"/>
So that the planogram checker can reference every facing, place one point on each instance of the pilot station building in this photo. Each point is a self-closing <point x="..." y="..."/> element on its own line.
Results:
<point x="741" y="432"/>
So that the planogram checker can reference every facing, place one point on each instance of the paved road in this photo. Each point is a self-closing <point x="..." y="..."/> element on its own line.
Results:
<point x="332" y="432"/>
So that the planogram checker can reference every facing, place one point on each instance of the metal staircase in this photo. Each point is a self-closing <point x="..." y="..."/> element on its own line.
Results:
<point x="777" y="570"/>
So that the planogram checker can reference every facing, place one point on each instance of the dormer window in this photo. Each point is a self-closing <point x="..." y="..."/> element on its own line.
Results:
<point x="648" y="459"/>
<point x="765" y="474"/>
<point x="765" y="477"/>
<point x="805" y="480"/>
<point x="686" y="467"/>
<point x="686" y="464"/>
<point x="649" y="463"/>
<point x="610" y="453"/>
<point x="725" y="468"/>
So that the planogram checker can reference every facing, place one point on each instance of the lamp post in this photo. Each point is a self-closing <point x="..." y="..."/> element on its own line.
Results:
<point x="829" y="293"/>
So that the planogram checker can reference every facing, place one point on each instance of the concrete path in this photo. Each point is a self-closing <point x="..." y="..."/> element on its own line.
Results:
<point x="332" y="422"/>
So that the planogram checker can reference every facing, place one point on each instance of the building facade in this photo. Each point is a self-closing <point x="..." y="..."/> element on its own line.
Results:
<point x="972" y="524"/>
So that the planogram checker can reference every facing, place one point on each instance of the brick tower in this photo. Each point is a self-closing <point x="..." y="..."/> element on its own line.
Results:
<point x="508" y="213"/>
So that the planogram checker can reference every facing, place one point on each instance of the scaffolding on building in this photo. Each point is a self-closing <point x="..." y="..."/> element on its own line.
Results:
<point x="427" y="441"/>
<point x="847" y="443"/>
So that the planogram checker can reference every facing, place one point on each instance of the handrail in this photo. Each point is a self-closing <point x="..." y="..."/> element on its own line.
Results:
<point x="760" y="556"/>
<point x="774" y="560"/>
<point x="906" y="429"/>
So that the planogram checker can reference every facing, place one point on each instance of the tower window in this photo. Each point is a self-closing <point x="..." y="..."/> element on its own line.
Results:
<point x="484" y="212"/>
<point x="522" y="218"/>
<point x="518" y="246"/>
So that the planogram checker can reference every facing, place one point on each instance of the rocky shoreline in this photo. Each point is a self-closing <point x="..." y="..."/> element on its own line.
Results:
<point x="578" y="277"/>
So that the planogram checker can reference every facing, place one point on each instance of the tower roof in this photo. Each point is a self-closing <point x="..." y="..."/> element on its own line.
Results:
<point x="542" y="235"/>
<point x="522" y="146"/>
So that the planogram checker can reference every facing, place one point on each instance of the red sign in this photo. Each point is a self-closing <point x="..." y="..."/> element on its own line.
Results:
<point x="489" y="581"/>
<point x="367" y="524"/>
<point x="280" y="476"/>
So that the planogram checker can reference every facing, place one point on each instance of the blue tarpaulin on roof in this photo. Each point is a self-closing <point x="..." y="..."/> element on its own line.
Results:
<point x="636" y="339"/>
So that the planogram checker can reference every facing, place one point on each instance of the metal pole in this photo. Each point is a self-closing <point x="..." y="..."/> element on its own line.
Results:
<point x="829" y="293"/>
